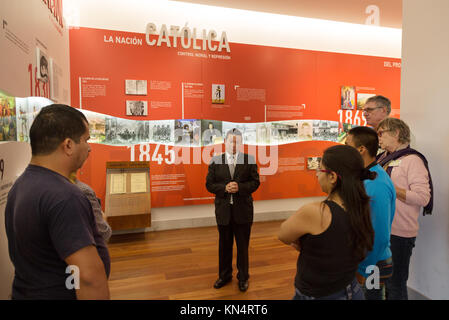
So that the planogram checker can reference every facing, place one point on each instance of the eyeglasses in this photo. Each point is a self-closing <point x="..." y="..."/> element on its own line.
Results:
<point x="369" y="110"/>
<point x="327" y="171"/>
<point x="381" y="132"/>
<point x="323" y="170"/>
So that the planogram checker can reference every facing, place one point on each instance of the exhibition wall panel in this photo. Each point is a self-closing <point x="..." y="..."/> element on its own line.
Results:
<point x="167" y="91"/>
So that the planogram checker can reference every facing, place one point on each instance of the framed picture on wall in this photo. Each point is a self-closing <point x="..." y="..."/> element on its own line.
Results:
<point x="211" y="132"/>
<point x="305" y="130"/>
<point x="136" y="87"/>
<point x="348" y="97"/>
<point x="218" y="93"/>
<point x="361" y="99"/>
<point x="162" y="131"/>
<point x="42" y="64"/>
<point x="136" y="108"/>
<point x="313" y="163"/>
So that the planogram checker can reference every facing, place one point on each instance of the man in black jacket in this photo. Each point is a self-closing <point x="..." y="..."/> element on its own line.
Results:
<point x="233" y="177"/>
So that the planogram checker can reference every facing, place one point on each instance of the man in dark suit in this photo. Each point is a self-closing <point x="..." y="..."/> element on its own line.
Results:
<point x="233" y="177"/>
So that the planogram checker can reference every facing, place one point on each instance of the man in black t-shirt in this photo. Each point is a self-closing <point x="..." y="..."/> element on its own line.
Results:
<point x="50" y="225"/>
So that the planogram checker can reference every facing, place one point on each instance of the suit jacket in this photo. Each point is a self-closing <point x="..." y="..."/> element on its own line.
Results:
<point x="247" y="178"/>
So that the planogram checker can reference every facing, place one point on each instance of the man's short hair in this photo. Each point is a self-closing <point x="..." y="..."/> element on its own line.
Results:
<point x="235" y="132"/>
<point x="380" y="102"/>
<point x="53" y="125"/>
<point x="367" y="137"/>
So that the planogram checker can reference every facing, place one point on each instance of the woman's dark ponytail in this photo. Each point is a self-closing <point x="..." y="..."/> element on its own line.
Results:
<point x="347" y="162"/>
<point x="367" y="174"/>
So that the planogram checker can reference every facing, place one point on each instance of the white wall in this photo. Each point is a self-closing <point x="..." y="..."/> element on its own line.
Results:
<point x="25" y="25"/>
<point x="424" y="106"/>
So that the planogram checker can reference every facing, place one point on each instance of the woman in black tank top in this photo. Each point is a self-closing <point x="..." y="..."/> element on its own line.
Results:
<point x="332" y="236"/>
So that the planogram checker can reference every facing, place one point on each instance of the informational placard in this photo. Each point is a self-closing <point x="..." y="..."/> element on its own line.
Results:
<point x="128" y="197"/>
<point x="118" y="183"/>
<point x="138" y="182"/>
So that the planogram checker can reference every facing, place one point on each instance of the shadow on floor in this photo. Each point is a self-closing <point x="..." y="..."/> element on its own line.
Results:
<point x="415" y="295"/>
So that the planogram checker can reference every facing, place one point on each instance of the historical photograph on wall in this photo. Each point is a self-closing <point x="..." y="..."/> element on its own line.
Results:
<point x="35" y="104"/>
<point x="263" y="133"/>
<point x="343" y="131"/>
<point x="325" y="130"/>
<point x="248" y="130"/>
<point x="284" y="132"/>
<point x="211" y="132"/>
<point x="218" y="93"/>
<point x="348" y="97"/>
<point x="42" y="65"/>
<point x="97" y="126"/>
<point x="143" y="131"/>
<point x="187" y="132"/>
<point x="162" y="131"/>
<point x="136" y="108"/>
<point x="111" y="129"/>
<point x="8" y="121"/>
<point x="226" y="126"/>
<point x="121" y="131"/>
<point x="305" y="130"/>
<point x="250" y="133"/>
<point x="136" y="87"/>
<point x="26" y="111"/>
<point x="313" y="163"/>
<point x="361" y="99"/>
<point x="24" y="119"/>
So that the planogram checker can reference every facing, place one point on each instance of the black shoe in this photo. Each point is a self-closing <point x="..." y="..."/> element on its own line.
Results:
<point x="220" y="283"/>
<point x="243" y="285"/>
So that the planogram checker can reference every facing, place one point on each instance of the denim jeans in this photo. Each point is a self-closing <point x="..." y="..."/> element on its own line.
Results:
<point x="396" y="286"/>
<point x="385" y="272"/>
<point x="352" y="292"/>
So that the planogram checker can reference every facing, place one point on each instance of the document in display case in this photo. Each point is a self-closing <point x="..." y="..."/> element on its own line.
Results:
<point x="128" y="196"/>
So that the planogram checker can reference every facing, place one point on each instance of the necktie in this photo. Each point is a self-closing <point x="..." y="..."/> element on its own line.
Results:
<point x="231" y="166"/>
<point x="231" y="171"/>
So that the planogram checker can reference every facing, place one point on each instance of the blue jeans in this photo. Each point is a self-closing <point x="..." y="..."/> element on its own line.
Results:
<point x="351" y="292"/>
<point x="396" y="286"/>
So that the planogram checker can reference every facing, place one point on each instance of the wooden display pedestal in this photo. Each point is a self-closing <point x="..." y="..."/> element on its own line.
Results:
<point x="128" y="196"/>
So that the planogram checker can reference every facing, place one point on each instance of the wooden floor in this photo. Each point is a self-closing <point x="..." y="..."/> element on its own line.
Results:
<point x="183" y="264"/>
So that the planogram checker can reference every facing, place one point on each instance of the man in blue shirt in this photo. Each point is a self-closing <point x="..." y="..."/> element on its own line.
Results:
<point x="378" y="262"/>
<point x="49" y="222"/>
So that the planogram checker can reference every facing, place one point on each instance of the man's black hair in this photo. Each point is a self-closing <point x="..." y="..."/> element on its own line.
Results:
<point x="53" y="125"/>
<point x="367" y="137"/>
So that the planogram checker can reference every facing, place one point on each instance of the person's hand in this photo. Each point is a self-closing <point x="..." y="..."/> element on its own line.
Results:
<point x="235" y="187"/>
<point x="230" y="187"/>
